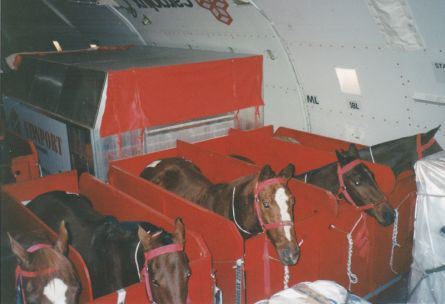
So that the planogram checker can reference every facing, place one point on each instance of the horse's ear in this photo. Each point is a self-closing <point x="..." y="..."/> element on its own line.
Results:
<point x="179" y="234"/>
<point x="430" y="134"/>
<point x="341" y="158"/>
<point x="62" y="240"/>
<point x="145" y="238"/>
<point x="19" y="252"/>
<point x="287" y="172"/>
<point x="353" y="152"/>
<point x="266" y="173"/>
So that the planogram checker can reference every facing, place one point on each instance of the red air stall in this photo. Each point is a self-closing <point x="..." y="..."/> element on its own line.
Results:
<point x="110" y="201"/>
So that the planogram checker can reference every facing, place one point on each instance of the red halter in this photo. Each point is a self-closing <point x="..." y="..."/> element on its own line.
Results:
<point x="260" y="187"/>
<point x="342" y="187"/>
<point x="420" y="148"/>
<point x="20" y="273"/>
<point x="145" y="276"/>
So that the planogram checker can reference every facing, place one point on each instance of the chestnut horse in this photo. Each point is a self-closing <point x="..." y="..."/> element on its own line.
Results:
<point x="352" y="180"/>
<point x="255" y="203"/>
<point x="112" y="250"/>
<point x="43" y="273"/>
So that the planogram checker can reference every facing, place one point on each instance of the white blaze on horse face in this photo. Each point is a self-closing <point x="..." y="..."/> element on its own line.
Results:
<point x="153" y="164"/>
<point x="55" y="291"/>
<point x="282" y="200"/>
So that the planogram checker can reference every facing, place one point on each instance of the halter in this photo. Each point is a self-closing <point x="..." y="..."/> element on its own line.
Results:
<point x="420" y="148"/>
<point x="342" y="187"/>
<point x="260" y="187"/>
<point x="149" y="255"/>
<point x="20" y="273"/>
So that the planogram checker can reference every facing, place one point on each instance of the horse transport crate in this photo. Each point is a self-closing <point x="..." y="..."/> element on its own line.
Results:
<point x="245" y="270"/>
<point x="110" y="201"/>
<point x="402" y="198"/>
<point x="83" y="109"/>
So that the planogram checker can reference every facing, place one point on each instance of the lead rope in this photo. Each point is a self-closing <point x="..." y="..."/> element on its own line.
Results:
<point x="286" y="277"/>
<point x="395" y="232"/>
<point x="395" y="244"/>
<point x="136" y="259"/>
<point x="238" y="280"/>
<point x="352" y="277"/>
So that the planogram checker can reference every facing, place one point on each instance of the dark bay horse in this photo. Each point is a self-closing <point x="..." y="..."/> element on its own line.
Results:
<point x="112" y="250"/>
<point x="43" y="273"/>
<point x="351" y="179"/>
<point x="401" y="154"/>
<point x="255" y="203"/>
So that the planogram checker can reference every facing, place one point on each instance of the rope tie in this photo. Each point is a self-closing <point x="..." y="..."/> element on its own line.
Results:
<point x="286" y="277"/>
<point x="352" y="277"/>
<point x="395" y="230"/>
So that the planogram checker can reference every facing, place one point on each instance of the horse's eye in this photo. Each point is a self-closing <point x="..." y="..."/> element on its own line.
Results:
<point x="266" y="204"/>
<point x="188" y="274"/>
<point x="155" y="283"/>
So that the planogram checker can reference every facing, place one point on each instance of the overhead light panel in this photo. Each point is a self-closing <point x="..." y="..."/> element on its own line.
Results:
<point x="348" y="80"/>
<point x="57" y="45"/>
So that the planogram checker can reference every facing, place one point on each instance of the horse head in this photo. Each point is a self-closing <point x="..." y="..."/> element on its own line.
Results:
<point x="44" y="274"/>
<point x="166" y="269"/>
<point x="359" y="187"/>
<point x="274" y="205"/>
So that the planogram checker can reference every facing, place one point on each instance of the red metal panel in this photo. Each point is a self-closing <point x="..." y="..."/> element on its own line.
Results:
<point x="150" y="94"/>
<point x="25" y="167"/>
<point x="314" y="141"/>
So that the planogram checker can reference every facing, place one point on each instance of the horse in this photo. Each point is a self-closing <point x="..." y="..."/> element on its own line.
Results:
<point x="401" y="154"/>
<point x="352" y="180"/>
<point x="43" y="273"/>
<point x="255" y="203"/>
<point x="112" y="250"/>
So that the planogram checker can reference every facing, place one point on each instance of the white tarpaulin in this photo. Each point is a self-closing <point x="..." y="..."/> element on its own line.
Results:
<point x="320" y="292"/>
<point x="429" y="232"/>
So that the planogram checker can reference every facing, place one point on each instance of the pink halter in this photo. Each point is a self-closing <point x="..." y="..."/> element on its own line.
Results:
<point x="342" y="187"/>
<point x="145" y="276"/>
<point x="20" y="273"/>
<point x="260" y="187"/>
<point x="420" y="148"/>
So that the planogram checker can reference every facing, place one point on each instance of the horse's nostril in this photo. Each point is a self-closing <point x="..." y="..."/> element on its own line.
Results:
<point x="289" y="256"/>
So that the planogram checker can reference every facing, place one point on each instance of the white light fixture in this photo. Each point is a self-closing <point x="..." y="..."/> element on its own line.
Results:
<point x="93" y="46"/>
<point x="348" y="80"/>
<point x="57" y="45"/>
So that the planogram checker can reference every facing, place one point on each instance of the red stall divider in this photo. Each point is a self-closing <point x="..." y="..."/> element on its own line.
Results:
<point x="111" y="201"/>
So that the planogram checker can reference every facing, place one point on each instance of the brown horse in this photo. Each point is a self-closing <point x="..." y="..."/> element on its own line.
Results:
<point x="255" y="203"/>
<point x="352" y="180"/>
<point x="112" y="250"/>
<point x="44" y="274"/>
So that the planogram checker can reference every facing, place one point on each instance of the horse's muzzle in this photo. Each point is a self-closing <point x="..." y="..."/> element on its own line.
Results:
<point x="289" y="254"/>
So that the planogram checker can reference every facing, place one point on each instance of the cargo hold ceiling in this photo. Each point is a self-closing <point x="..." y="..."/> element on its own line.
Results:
<point x="34" y="25"/>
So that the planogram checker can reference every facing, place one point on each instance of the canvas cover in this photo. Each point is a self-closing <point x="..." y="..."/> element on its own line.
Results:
<point x="428" y="268"/>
